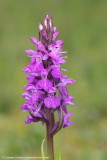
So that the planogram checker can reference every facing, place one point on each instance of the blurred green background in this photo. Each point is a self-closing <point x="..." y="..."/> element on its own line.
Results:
<point x="83" y="27"/>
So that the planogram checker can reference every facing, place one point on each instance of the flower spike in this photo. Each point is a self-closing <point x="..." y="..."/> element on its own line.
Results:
<point x="46" y="91"/>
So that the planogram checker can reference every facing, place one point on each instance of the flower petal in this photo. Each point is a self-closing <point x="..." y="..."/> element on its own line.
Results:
<point x="45" y="84"/>
<point x="59" y="43"/>
<point x="34" y="40"/>
<point x="35" y="97"/>
<point x="38" y="67"/>
<point x="68" y="100"/>
<point x="68" y="123"/>
<point x="56" y="72"/>
<point x="66" y="118"/>
<point x="55" y="35"/>
<point x="30" y="51"/>
<point x="31" y="119"/>
<point x="52" y="102"/>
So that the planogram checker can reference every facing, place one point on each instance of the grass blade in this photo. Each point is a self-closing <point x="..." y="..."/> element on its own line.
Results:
<point x="42" y="149"/>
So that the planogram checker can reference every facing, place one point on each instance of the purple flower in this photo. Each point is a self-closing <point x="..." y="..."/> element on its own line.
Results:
<point x="31" y="119"/>
<point x="52" y="102"/>
<point x="66" y="123"/>
<point x="56" y="72"/>
<point x="46" y="91"/>
<point x="45" y="84"/>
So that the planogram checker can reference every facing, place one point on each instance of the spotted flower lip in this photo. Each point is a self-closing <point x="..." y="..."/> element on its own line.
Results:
<point x="45" y="84"/>
<point x="46" y="88"/>
<point x="52" y="101"/>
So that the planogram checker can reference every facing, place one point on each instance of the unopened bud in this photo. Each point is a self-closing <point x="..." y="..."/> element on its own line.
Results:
<point x="40" y="26"/>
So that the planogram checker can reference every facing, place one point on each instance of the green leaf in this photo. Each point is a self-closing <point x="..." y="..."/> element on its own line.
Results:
<point x="58" y="155"/>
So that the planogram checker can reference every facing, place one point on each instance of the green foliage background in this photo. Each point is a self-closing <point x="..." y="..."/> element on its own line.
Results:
<point x="83" y="27"/>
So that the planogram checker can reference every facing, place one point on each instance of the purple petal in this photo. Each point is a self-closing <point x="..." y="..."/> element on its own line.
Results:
<point x="70" y="81"/>
<point x="45" y="57"/>
<point x="52" y="90"/>
<point x="41" y="47"/>
<point x="60" y="61"/>
<point x="44" y="73"/>
<point x="43" y="32"/>
<point x="45" y="84"/>
<point x="31" y="78"/>
<point x="64" y="51"/>
<point x="50" y="47"/>
<point x="65" y="91"/>
<point x="35" y="97"/>
<point x="68" y="100"/>
<point x="64" y="69"/>
<point x="26" y="96"/>
<point x="55" y="35"/>
<point x="38" y="67"/>
<point x="59" y="43"/>
<point x="64" y="108"/>
<point x="68" y="123"/>
<point x="65" y="81"/>
<point x="59" y="85"/>
<point x="27" y="69"/>
<point x="34" y="40"/>
<point x="66" y="118"/>
<point x="24" y="106"/>
<point x="53" y="55"/>
<point x="33" y="60"/>
<point x="30" y="51"/>
<point x="28" y="106"/>
<point x="52" y="102"/>
<point x="36" y="114"/>
<point x="30" y="87"/>
<point x="30" y="119"/>
<point x="56" y="72"/>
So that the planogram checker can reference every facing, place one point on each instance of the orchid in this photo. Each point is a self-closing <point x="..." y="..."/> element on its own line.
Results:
<point x="46" y="91"/>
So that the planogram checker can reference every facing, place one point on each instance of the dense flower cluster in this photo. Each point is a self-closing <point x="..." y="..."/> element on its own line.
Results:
<point x="46" y="88"/>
